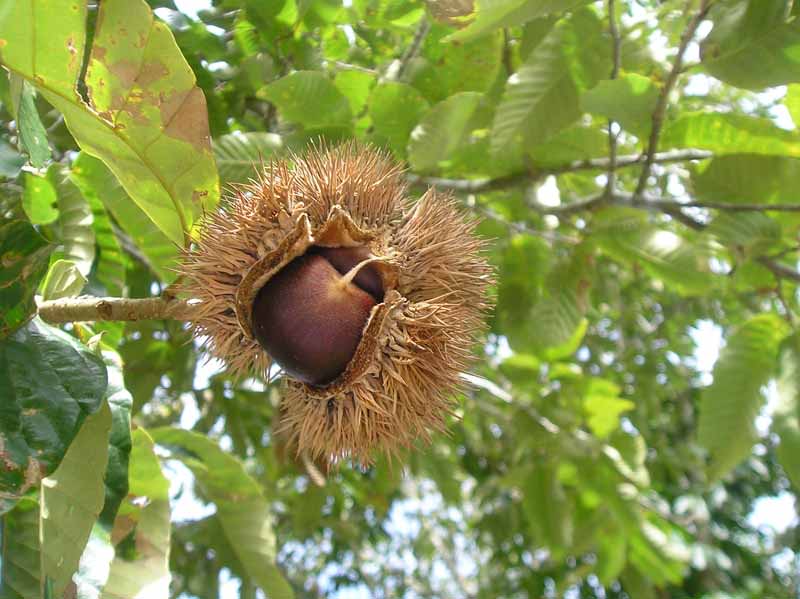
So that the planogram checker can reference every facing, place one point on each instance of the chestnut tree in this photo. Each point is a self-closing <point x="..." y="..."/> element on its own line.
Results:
<point x="624" y="175"/>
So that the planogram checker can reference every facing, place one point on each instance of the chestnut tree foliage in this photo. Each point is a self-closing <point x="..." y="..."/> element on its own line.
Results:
<point x="635" y="163"/>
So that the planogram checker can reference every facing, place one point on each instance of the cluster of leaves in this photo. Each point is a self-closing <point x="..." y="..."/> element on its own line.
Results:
<point x="635" y="163"/>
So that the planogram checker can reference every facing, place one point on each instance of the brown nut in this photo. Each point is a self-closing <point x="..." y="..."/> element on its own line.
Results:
<point x="310" y="319"/>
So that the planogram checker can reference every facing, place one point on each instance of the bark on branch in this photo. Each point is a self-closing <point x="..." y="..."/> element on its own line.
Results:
<point x="81" y="309"/>
<point x="589" y="164"/>
<point x="663" y="98"/>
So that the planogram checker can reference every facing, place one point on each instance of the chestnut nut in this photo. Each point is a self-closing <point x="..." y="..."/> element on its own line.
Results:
<point x="310" y="315"/>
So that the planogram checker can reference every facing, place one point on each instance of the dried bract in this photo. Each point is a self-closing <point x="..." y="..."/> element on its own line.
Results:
<point x="369" y="301"/>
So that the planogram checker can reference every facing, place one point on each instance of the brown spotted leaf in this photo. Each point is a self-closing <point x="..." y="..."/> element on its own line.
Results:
<point x="50" y="383"/>
<point x="24" y="256"/>
<point x="146" y="118"/>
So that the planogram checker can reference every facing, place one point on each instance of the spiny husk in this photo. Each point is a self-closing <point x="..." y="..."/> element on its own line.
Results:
<point x="399" y="384"/>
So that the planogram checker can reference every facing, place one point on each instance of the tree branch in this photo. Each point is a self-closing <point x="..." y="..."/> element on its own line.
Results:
<point x="516" y="227"/>
<point x="474" y="185"/>
<point x="663" y="97"/>
<point x="80" y="309"/>
<point x="588" y="164"/>
<point x="674" y="209"/>
<point x="626" y="199"/>
<point x="616" y="48"/>
<point x="781" y="271"/>
<point x="729" y="207"/>
<point x="129" y="245"/>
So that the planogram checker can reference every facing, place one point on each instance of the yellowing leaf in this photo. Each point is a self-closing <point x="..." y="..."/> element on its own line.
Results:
<point x="146" y="118"/>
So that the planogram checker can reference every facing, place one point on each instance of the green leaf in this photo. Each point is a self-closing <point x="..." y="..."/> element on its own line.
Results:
<point x="93" y="568"/>
<point x="748" y="178"/>
<point x="11" y="161"/>
<point x="74" y="222"/>
<point x="748" y="234"/>
<point x="731" y="403"/>
<point x="239" y="154"/>
<point x="241" y="506"/>
<point x="625" y="235"/>
<point x="637" y="585"/>
<point x="556" y="325"/>
<point x="98" y="183"/>
<point x="32" y="134"/>
<point x="21" y="573"/>
<point x="310" y="99"/>
<point x="567" y="348"/>
<point x="524" y="264"/>
<point x="443" y="69"/>
<point x="355" y="86"/>
<point x="63" y="280"/>
<point x="603" y="406"/>
<point x="110" y="261"/>
<point x="441" y="467"/>
<point x="611" y="556"/>
<point x="96" y="559"/>
<point x="629" y="100"/>
<point x="540" y="99"/>
<point x="545" y="507"/>
<point x="729" y="133"/>
<point x="659" y="551"/>
<point x="521" y="369"/>
<point x="442" y="131"/>
<point x="395" y="109"/>
<point x="24" y="254"/>
<point x="556" y="317"/>
<point x="752" y="44"/>
<point x="497" y="14"/>
<point x="575" y="143"/>
<point x="6" y="96"/>
<point x="751" y="276"/>
<point x="786" y="418"/>
<point x="627" y="454"/>
<point x="159" y="148"/>
<point x="141" y="565"/>
<point x="39" y="200"/>
<point x="71" y="499"/>
<point x="119" y="444"/>
<point x="51" y="383"/>
<point x="792" y="102"/>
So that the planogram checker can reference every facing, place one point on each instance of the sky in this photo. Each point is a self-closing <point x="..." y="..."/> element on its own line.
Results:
<point x="776" y="513"/>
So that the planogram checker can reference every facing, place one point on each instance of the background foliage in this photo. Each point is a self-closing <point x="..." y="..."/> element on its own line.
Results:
<point x="636" y="164"/>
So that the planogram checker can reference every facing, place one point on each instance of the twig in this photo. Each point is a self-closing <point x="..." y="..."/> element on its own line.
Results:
<point x="516" y="227"/>
<point x="411" y="52"/>
<point x="56" y="123"/>
<point x="130" y="247"/>
<point x="346" y="66"/>
<point x="626" y="199"/>
<point x="673" y="209"/>
<point x="616" y="47"/>
<point x="781" y="271"/>
<point x="475" y="185"/>
<point x="789" y="314"/>
<point x="588" y="164"/>
<point x="663" y="97"/>
<point x="81" y="309"/>
<point x="743" y="207"/>
<point x="315" y="475"/>
<point x="784" y="252"/>
<point x="507" y="57"/>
